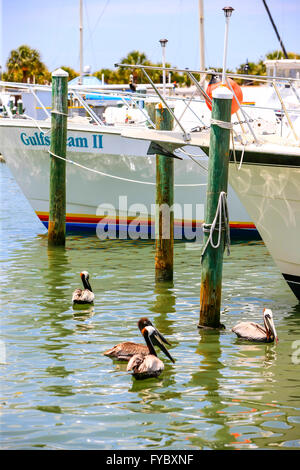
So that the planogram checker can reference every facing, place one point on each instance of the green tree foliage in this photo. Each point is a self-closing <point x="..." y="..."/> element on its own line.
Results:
<point x="72" y="73"/>
<point x="110" y="76"/>
<point x="133" y="58"/>
<point x="25" y="64"/>
<point x="251" y="68"/>
<point x="259" y="68"/>
<point x="276" y="55"/>
<point x="122" y="74"/>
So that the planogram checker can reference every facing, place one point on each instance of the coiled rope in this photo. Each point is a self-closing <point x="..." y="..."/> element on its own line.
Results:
<point x="221" y="213"/>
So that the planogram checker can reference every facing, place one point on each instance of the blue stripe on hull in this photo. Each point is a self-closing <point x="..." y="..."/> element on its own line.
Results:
<point x="235" y="233"/>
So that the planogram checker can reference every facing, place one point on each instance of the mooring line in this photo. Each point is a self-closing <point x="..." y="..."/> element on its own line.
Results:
<point x="118" y="177"/>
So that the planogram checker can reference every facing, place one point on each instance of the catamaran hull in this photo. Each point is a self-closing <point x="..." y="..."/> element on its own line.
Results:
<point x="119" y="198"/>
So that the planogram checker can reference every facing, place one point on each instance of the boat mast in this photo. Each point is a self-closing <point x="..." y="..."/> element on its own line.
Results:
<point x="80" y="43"/>
<point x="277" y="34"/>
<point x="201" y="31"/>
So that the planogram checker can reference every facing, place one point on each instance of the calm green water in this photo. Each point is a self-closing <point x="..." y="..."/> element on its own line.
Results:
<point x="59" y="392"/>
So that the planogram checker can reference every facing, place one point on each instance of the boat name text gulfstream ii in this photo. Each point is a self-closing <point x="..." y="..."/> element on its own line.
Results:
<point x="40" y="139"/>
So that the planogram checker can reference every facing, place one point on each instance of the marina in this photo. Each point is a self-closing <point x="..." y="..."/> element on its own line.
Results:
<point x="150" y="262"/>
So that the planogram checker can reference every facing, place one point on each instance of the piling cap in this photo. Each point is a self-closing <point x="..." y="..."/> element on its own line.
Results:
<point x="60" y="73"/>
<point x="222" y="92"/>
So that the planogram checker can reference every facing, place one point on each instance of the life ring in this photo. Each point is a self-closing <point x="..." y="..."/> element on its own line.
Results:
<point x="215" y="82"/>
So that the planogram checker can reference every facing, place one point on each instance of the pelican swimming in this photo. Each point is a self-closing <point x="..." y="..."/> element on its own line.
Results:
<point x="145" y="366"/>
<point x="86" y="295"/>
<point x="255" y="332"/>
<point x="124" y="351"/>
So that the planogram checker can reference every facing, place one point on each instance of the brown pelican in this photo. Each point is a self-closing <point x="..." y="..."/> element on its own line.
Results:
<point x="255" y="332"/>
<point x="124" y="351"/>
<point x="86" y="295"/>
<point x="142" y="366"/>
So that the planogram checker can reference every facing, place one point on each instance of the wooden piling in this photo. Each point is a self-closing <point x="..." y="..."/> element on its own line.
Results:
<point x="57" y="197"/>
<point x="150" y="108"/>
<point x="164" y="221"/>
<point x="212" y="259"/>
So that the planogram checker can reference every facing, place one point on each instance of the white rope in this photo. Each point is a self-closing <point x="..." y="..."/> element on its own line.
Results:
<point x="37" y="124"/>
<point x="242" y="156"/>
<point x="55" y="111"/>
<point x="223" y="124"/>
<point x="234" y="155"/>
<point x="222" y="210"/>
<point x="113" y="176"/>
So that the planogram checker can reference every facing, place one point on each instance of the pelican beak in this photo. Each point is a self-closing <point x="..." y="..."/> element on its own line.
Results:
<point x="85" y="281"/>
<point x="158" y="339"/>
<point x="272" y="328"/>
<point x="160" y="336"/>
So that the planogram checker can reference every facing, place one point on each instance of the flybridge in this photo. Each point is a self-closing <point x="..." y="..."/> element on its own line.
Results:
<point x="94" y="141"/>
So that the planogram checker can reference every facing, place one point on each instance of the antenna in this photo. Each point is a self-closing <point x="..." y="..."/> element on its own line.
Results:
<point x="277" y="34"/>
<point x="80" y="43"/>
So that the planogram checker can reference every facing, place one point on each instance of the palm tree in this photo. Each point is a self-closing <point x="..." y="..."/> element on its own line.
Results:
<point x="133" y="58"/>
<point x="25" y="63"/>
<point x="122" y="74"/>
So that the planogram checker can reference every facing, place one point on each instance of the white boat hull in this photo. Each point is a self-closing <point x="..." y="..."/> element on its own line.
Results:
<point x="26" y="150"/>
<point x="270" y="191"/>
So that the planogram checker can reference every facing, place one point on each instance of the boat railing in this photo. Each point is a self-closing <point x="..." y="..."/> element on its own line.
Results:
<point x="80" y="94"/>
<point x="274" y="81"/>
<point x="85" y="95"/>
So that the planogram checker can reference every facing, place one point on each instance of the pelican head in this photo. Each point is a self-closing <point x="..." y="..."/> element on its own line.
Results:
<point x="85" y="280"/>
<point x="154" y="336"/>
<point x="269" y="324"/>
<point x="144" y="321"/>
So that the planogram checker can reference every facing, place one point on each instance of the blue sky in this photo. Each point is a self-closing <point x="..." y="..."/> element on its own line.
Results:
<point x="112" y="28"/>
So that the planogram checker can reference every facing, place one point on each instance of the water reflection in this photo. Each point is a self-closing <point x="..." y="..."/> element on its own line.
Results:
<point x="84" y="313"/>
<point x="164" y="304"/>
<point x="252" y="354"/>
<point x="155" y="394"/>
<point x="208" y="376"/>
<point x="54" y="303"/>
<point x="58" y="371"/>
<point x="55" y="278"/>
